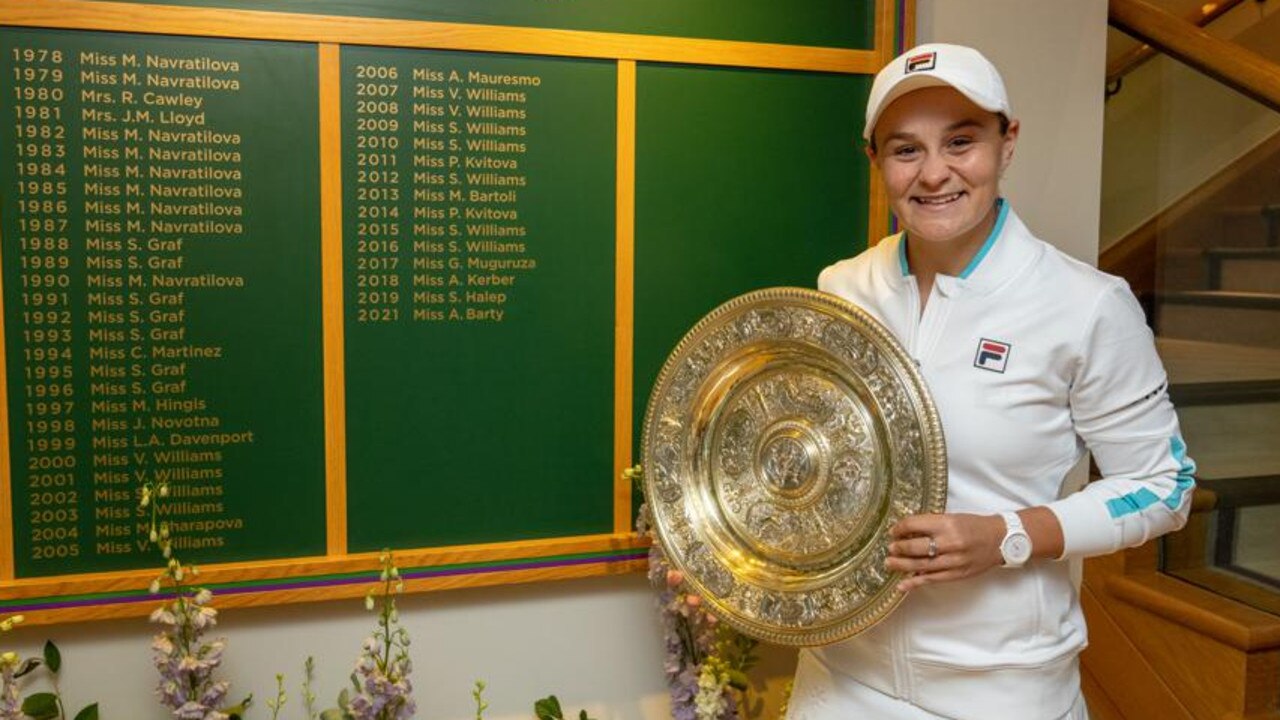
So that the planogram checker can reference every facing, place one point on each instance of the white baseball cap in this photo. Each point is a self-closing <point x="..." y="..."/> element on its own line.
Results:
<point x="931" y="65"/>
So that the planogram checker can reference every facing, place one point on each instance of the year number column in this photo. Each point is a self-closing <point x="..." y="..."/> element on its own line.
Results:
<point x="47" y="483"/>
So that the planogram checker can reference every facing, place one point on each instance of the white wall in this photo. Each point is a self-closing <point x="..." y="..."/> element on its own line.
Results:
<point x="1170" y="127"/>
<point x="595" y="642"/>
<point x="1052" y="56"/>
<point x="1168" y="130"/>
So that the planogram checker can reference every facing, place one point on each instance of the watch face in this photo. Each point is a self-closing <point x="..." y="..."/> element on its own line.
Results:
<point x="1017" y="548"/>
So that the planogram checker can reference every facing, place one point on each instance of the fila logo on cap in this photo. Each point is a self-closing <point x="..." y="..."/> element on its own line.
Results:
<point x="992" y="355"/>
<point x="923" y="61"/>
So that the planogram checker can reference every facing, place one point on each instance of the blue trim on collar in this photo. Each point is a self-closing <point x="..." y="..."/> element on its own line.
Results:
<point x="1002" y="213"/>
<point x="902" y="256"/>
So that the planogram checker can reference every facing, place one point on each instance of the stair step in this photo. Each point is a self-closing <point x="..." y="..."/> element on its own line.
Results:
<point x="1229" y="253"/>
<point x="1239" y="318"/>
<point x="1205" y="373"/>
<point x="1250" y="210"/>
<point x="1183" y="268"/>
<point x="1252" y="221"/>
<point x="1247" y="524"/>
<point x="1244" y="269"/>
<point x="1228" y="400"/>
<point x="1234" y="441"/>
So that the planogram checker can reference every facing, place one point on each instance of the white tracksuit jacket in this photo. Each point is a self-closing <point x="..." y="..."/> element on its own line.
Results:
<point x="1032" y="357"/>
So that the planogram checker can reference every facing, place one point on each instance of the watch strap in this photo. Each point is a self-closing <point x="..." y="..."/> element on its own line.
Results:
<point x="1013" y="526"/>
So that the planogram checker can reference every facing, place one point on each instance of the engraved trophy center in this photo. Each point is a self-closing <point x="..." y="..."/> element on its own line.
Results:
<point x="792" y="465"/>
<point x="788" y="463"/>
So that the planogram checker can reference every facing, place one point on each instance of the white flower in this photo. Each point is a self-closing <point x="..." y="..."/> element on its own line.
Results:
<point x="162" y="644"/>
<point x="162" y="615"/>
<point x="710" y="701"/>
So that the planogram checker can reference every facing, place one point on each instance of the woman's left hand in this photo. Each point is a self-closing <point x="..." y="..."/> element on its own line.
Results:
<point x="963" y="545"/>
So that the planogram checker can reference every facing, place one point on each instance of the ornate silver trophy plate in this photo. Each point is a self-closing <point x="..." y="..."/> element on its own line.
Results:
<point x="786" y="434"/>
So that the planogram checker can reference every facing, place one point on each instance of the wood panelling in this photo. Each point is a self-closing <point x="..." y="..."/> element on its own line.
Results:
<point x="1112" y="660"/>
<point x="1162" y="648"/>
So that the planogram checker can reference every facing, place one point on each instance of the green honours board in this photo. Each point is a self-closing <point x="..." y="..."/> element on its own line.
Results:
<point x="738" y="190"/>
<point x="158" y="192"/>
<point x="827" y="23"/>
<point x="478" y="256"/>
<point x="402" y="279"/>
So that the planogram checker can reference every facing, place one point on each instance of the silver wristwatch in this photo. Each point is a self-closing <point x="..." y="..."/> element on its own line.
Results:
<point x="1016" y="545"/>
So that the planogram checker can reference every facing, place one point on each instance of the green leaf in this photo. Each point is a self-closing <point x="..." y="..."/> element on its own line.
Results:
<point x="582" y="715"/>
<point x="52" y="657"/>
<point x="738" y="680"/>
<point x="333" y="714"/>
<point x="27" y="666"/>
<point x="89" y="713"/>
<point x="41" y="706"/>
<point x="344" y="699"/>
<point x="548" y="708"/>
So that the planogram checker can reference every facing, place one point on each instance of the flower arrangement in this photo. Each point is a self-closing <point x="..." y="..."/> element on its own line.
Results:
<point x="381" y="677"/>
<point x="380" y="686"/>
<point x="185" y="660"/>
<point x="706" y="662"/>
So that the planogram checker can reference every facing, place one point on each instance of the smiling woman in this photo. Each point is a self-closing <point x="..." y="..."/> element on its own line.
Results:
<point x="1031" y="357"/>
<point x="941" y="159"/>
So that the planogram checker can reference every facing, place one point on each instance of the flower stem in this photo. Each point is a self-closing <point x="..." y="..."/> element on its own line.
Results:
<point x="386" y="622"/>
<point x="57" y="697"/>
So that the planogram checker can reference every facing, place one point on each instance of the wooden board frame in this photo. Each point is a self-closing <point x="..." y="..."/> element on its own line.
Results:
<point x="339" y="574"/>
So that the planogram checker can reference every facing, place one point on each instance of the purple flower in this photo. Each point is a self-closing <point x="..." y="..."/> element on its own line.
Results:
<point x="10" y="700"/>
<point x="689" y="635"/>
<point x="382" y="669"/>
<point x="185" y="661"/>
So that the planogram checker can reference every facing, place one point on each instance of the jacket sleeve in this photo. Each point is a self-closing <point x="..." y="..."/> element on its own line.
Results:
<point x="1121" y="410"/>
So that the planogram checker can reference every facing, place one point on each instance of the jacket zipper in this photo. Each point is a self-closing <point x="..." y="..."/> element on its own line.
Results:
<point x="924" y="331"/>
<point x="901" y="672"/>
<point x="901" y="666"/>
<point x="930" y="326"/>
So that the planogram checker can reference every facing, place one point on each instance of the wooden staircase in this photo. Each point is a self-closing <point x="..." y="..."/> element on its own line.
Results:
<point x="1188" y="628"/>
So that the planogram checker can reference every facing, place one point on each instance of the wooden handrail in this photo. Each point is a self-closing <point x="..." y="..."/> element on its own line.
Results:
<point x="1126" y="63"/>
<point x="1228" y="63"/>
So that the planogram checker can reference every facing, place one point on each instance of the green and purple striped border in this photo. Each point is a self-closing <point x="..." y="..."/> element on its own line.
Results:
<point x="126" y="597"/>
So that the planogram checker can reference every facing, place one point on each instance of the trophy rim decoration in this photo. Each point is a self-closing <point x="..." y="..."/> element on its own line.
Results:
<point x="771" y="574"/>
